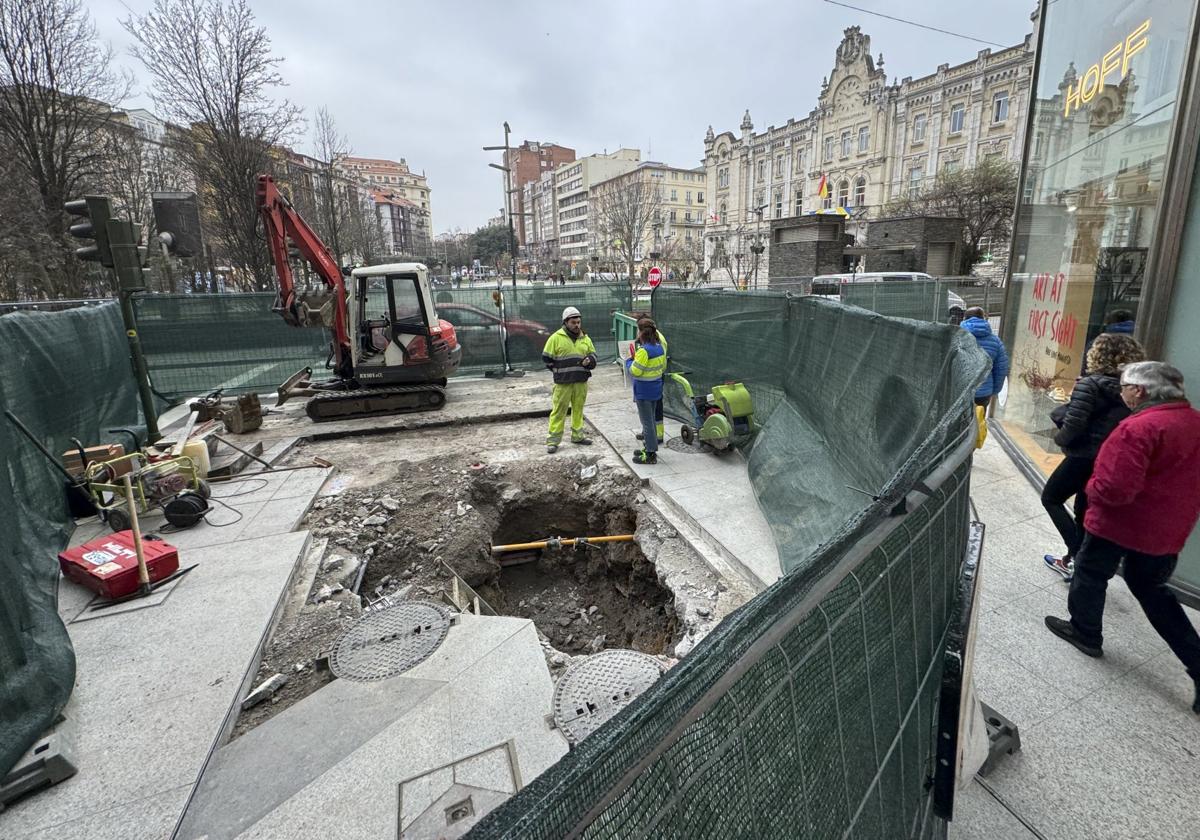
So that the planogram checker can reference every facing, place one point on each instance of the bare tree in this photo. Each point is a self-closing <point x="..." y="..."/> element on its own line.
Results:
<point x="57" y="89"/>
<point x="332" y="148"/>
<point x="213" y="70"/>
<point x="625" y="207"/>
<point x="983" y="197"/>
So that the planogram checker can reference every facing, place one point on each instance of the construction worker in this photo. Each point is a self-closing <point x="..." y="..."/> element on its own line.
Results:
<point x="658" y="405"/>
<point x="646" y="366"/>
<point x="570" y="354"/>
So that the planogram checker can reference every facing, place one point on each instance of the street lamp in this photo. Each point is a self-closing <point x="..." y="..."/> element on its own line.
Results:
<point x="757" y="247"/>
<point x="508" y="369"/>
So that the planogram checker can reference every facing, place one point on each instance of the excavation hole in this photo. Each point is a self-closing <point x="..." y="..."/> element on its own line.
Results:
<point x="583" y="600"/>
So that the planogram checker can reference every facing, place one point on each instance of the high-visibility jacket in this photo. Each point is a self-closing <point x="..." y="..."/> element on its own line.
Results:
<point x="646" y="366"/>
<point x="564" y="355"/>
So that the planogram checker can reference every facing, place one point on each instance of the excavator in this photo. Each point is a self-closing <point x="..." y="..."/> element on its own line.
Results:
<point x="397" y="355"/>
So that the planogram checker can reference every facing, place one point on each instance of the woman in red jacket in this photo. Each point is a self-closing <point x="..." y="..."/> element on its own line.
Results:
<point x="1143" y="502"/>
<point x="1084" y="423"/>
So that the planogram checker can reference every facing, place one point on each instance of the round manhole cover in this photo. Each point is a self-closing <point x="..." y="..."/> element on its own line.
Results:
<point x="677" y="444"/>
<point x="593" y="690"/>
<point x="390" y="641"/>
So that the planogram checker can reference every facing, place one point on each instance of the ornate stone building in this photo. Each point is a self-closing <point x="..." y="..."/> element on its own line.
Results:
<point x="871" y="140"/>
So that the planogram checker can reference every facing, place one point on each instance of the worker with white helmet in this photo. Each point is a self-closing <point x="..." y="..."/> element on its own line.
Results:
<point x="570" y="354"/>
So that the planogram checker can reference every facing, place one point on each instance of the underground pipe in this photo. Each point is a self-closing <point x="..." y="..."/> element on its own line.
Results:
<point x="559" y="542"/>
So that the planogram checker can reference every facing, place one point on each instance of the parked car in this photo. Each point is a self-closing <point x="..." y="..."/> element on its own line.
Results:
<point x="830" y="284"/>
<point x="478" y="333"/>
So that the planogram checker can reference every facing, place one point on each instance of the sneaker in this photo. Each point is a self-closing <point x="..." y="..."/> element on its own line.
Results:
<point x="1066" y="631"/>
<point x="1065" y="566"/>
<point x="644" y="457"/>
<point x="583" y="441"/>
<point x="551" y="448"/>
<point x="640" y="436"/>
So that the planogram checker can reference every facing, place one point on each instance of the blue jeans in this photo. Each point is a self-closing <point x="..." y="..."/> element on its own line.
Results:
<point x="646" y="415"/>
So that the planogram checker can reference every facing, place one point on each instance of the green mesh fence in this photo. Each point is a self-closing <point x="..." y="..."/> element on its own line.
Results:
<point x="810" y="712"/>
<point x="198" y="343"/>
<point x="67" y="375"/>
<point x="921" y="300"/>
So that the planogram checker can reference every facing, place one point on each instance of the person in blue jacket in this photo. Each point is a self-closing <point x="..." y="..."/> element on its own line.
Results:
<point x="646" y="365"/>
<point x="976" y="324"/>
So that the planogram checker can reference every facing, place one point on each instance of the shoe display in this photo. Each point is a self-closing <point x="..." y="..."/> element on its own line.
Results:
<point x="1064" y="566"/>
<point x="1066" y="631"/>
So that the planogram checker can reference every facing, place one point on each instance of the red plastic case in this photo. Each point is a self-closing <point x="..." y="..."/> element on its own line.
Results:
<point x="108" y="565"/>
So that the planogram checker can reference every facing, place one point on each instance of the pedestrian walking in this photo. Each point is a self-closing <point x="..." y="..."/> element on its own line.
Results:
<point x="570" y="354"/>
<point x="1143" y="502"/>
<point x="659" y="428"/>
<point x="976" y="324"/>
<point x="1084" y="423"/>
<point x="646" y="366"/>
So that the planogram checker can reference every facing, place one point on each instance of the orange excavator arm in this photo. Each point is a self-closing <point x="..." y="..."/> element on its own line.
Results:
<point x="282" y="223"/>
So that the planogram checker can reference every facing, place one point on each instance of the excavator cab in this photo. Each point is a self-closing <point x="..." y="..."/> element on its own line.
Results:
<point x="400" y="339"/>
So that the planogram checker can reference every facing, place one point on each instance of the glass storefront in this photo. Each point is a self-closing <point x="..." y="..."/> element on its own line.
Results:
<point x="1106" y="86"/>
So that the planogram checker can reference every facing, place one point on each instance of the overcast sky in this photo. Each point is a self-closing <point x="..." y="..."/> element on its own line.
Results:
<point x="432" y="82"/>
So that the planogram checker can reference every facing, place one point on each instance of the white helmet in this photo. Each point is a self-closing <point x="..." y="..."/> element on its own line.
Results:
<point x="570" y="312"/>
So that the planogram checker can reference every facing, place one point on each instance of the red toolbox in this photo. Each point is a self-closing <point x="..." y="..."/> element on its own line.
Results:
<point x="108" y="565"/>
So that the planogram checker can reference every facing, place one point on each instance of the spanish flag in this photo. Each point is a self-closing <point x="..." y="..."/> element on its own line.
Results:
<point x="823" y="188"/>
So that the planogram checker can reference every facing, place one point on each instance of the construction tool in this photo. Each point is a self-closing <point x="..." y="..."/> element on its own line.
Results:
<point x="143" y="572"/>
<point x="722" y="419"/>
<point x="171" y="483"/>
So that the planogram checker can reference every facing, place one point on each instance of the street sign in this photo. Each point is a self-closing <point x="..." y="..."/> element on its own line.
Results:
<point x="654" y="277"/>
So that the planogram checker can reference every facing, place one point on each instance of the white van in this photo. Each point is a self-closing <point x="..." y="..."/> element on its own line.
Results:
<point x="828" y="283"/>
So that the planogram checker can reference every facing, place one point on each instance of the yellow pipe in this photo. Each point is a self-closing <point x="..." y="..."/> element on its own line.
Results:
<point x="557" y="542"/>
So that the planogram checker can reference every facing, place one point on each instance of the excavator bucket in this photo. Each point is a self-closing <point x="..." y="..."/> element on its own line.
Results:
<point x="299" y="384"/>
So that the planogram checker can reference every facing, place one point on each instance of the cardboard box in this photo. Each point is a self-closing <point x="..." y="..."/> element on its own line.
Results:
<point x="105" y="452"/>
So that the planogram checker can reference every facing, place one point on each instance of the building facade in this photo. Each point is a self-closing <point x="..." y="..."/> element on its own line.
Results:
<point x="527" y="163"/>
<point x="397" y="179"/>
<point x="675" y="200"/>
<point x="1108" y="221"/>
<point x="573" y="183"/>
<point x="871" y="141"/>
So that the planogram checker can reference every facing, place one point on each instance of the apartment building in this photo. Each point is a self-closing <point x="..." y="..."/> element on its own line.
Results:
<point x="573" y="183"/>
<point x="395" y="178"/>
<point x="676" y="199"/>
<point x="527" y="163"/>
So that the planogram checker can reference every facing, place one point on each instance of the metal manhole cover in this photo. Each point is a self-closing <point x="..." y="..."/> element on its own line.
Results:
<point x="593" y="690"/>
<point x="676" y="444"/>
<point x="389" y="641"/>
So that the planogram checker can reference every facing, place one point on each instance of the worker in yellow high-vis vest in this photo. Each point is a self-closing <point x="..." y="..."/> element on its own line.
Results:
<point x="570" y="354"/>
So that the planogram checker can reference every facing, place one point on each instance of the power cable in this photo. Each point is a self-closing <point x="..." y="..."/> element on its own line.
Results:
<point x="918" y="25"/>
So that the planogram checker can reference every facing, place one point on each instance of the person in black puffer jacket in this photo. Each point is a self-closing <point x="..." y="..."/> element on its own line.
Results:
<point x="1084" y="423"/>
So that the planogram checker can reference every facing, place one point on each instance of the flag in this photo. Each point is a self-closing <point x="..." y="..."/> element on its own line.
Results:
<point x="712" y="214"/>
<point x="823" y="188"/>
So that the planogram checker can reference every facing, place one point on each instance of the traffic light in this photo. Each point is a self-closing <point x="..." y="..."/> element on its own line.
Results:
<point x="95" y="211"/>
<point x="127" y="256"/>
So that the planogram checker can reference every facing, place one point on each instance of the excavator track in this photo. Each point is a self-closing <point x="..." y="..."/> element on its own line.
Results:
<point x="374" y="402"/>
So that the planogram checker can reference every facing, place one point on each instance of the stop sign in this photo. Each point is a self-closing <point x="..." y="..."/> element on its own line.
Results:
<point x="654" y="277"/>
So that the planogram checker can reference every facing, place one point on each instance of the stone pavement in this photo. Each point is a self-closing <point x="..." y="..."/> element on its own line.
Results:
<point x="709" y="493"/>
<point x="1110" y="747"/>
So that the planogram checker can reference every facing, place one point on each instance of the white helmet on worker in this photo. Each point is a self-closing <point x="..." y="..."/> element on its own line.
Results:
<point x="570" y="312"/>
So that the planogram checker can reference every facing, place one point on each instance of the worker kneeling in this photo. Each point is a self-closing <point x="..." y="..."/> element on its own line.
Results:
<point x="570" y="354"/>
<point x="646" y="365"/>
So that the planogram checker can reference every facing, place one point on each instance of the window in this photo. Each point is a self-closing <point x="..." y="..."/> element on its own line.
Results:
<point x="843" y="193"/>
<point x="1038" y="139"/>
<point x="778" y="204"/>
<point x="1000" y="107"/>
<point x="723" y="177"/>
<point x="800" y="163"/>
<point x="673" y="216"/>
<point x="827" y="201"/>
<point x="860" y="192"/>
<point x="864" y="138"/>
<point x="779" y="170"/>
<point x="687" y="196"/>
<point x="919" y="128"/>
<point x="845" y="144"/>
<point x="674" y="196"/>
<point x="721" y="215"/>
<point x="914" y="180"/>
<point x="699" y="198"/>
<point x="762" y="170"/>
<point x="687" y="217"/>
<point x="759" y="201"/>
<point x="950" y="166"/>
<point x="799" y="202"/>
<point x="957" y="112"/>
<point x="828" y="148"/>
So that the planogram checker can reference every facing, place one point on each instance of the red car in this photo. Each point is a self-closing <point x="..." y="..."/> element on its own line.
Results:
<point x="479" y="334"/>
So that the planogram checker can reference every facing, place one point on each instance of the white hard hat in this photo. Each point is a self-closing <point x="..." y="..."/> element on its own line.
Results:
<point x="571" y="312"/>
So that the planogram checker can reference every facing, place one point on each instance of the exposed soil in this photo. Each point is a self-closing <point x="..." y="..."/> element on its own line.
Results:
<point x="404" y="513"/>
